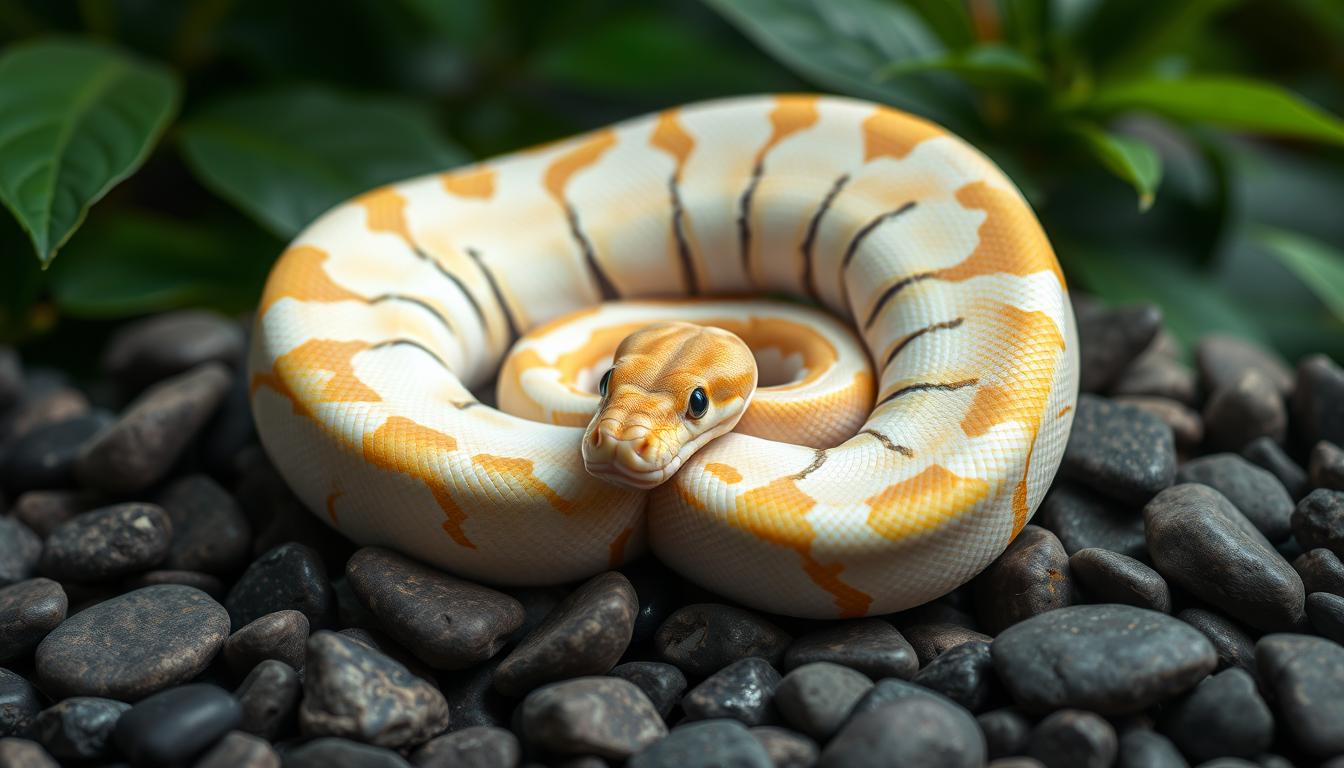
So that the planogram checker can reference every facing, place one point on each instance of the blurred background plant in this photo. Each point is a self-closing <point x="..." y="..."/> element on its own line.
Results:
<point x="158" y="153"/>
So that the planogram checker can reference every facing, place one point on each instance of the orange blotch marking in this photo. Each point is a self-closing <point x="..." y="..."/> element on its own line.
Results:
<point x="936" y="492"/>
<point x="520" y="472"/>
<point x="851" y="602"/>
<point x="564" y="167"/>
<point x="294" y="375"/>
<point x="396" y="445"/>
<point x="888" y="133"/>
<point x="672" y="138"/>
<point x="476" y="182"/>
<point x="724" y="472"/>
<point x="790" y="115"/>
<point x="617" y="547"/>
<point x="300" y="274"/>
<point x="1063" y="411"/>
<point x="385" y="211"/>
<point x="1011" y="240"/>
<point x="331" y="505"/>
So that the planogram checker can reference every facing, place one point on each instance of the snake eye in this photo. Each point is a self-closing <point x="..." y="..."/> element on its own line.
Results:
<point x="602" y="385"/>
<point x="698" y="403"/>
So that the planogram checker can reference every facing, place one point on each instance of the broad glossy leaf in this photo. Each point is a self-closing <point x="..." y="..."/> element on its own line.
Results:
<point x="1316" y="264"/>
<point x="135" y="263"/>
<point x="77" y="118"/>
<point x="1133" y="160"/>
<point x="843" y="45"/>
<point x="1229" y="102"/>
<point x="985" y="65"/>
<point x="286" y="156"/>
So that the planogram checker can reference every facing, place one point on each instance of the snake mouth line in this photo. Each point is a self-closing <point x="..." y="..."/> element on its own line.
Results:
<point x="615" y="472"/>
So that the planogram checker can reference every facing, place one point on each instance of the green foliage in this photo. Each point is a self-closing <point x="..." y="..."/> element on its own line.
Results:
<point x="1175" y="151"/>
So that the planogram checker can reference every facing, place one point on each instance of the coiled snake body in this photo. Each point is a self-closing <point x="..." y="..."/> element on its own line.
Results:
<point x="380" y="319"/>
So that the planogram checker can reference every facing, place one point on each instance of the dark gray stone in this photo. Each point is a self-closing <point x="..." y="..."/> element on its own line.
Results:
<point x="1187" y="426"/>
<point x="1110" y="577"/>
<point x="1318" y="400"/>
<point x="447" y="622"/>
<point x="931" y="640"/>
<point x="19" y="703"/>
<point x="743" y="690"/>
<point x="964" y="674"/>
<point x="20" y="551"/>
<point x="107" y="543"/>
<point x="604" y="716"/>
<point x="78" y="728"/>
<point x="353" y="691"/>
<point x="210" y="532"/>
<point x="1200" y="542"/>
<point x="1142" y="748"/>
<point x="1110" y="338"/>
<point x="149" y="350"/>
<point x="1223" y="717"/>
<point x="42" y="403"/>
<point x="1318" y="521"/>
<point x="1082" y="520"/>
<point x="141" y="447"/>
<point x="785" y="748"/>
<point x="42" y="511"/>
<point x="910" y="731"/>
<point x="1155" y="374"/>
<point x="269" y="699"/>
<point x="1321" y="571"/>
<point x="291" y="576"/>
<point x="133" y="645"/>
<point x="342" y="753"/>
<point x="1029" y="578"/>
<point x="1223" y="359"/>
<point x="29" y="610"/>
<point x="1071" y="738"/>
<point x="870" y="646"/>
<point x="474" y="747"/>
<point x="659" y="592"/>
<point x="662" y="683"/>
<point x="703" y="638"/>
<point x="817" y="698"/>
<point x="238" y="749"/>
<point x="282" y="635"/>
<point x="1006" y="732"/>
<point x="1119" y="450"/>
<point x="173" y="726"/>
<point x="1255" y="492"/>
<point x="1326" y="612"/>
<point x="45" y="457"/>
<point x="1235" y="647"/>
<point x="11" y="377"/>
<point x="1266" y="454"/>
<point x="1243" y="410"/>
<point x="893" y="689"/>
<point x="210" y="585"/>
<point x="1306" y="677"/>
<point x="1327" y="466"/>
<point x="716" y="743"/>
<point x="1110" y="659"/>
<point x="21" y="753"/>
<point x="472" y="698"/>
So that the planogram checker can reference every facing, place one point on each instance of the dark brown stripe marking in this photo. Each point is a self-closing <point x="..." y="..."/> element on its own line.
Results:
<point x="744" y="218"/>
<point x="809" y="240"/>
<point x="461" y="286"/>
<point x="888" y="444"/>
<point x="679" y="232"/>
<point x="421" y="303"/>
<point x="889" y="293"/>
<point x="867" y="230"/>
<point x="604" y="285"/>
<point x="927" y="386"/>
<point x="462" y="406"/>
<point x="499" y="294"/>
<point x="818" y="459"/>
<point x="945" y="325"/>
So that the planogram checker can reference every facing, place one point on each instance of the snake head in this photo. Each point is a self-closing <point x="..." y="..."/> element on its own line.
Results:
<point x="672" y="388"/>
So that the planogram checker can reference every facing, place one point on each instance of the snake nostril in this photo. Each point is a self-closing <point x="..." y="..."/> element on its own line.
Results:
<point x="596" y="438"/>
<point x="645" y="448"/>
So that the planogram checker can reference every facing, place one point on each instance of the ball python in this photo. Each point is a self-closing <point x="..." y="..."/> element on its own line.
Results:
<point x="383" y="325"/>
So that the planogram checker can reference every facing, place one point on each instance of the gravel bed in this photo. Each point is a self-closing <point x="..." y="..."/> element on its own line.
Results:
<point x="165" y="601"/>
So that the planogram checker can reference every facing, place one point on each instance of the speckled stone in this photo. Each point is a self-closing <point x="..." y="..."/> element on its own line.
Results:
<point x="1223" y="716"/>
<point x="702" y="638"/>
<point x="964" y="674"/>
<point x="78" y="728"/>
<point x="1110" y="659"/>
<point x="19" y="703"/>
<point x="1306" y="676"/>
<point x="20" y="551"/>
<point x="351" y="690"/>
<point x="1082" y="519"/>
<point x="604" y="716"/>
<point x="269" y="698"/>
<point x="1234" y="646"/>
<point x="1318" y="521"/>
<point x="743" y="690"/>
<point x="1119" y="450"/>
<point x="911" y="731"/>
<point x="1321" y="571"/>
<point x="133" y="645"/>
<point x="210" y="532"/>
<point x="474" y="747"/>
<point x="817" y="698"/>
<point x="291" y="576"/>
<point x="1255" y="492"/>
<point x="872" y="647"/>
<point x="1268" y="455"/>
<point x="584" y="635"/>
<point x="282" y="635"/>
<point x="241" y="750"/>
<point x="711" y="743"/>
<point x="29" y="611"/>
<point x="1029" y="578"/>
<point x="107" y="543"/>
<point x="1110" y="577"/>
<point x="662" y="683"/>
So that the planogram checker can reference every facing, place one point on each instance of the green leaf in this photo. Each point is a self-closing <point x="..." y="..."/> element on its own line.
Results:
<point x="949" y="19"/>
<point x="1229" y="102"/>
<point x="79" y="118"/>
<point x="286" y="156"/>
<point x="985" y="65"/>
<point x="842" y="45"/>
<point x="1133" y="160"/>
<point x="135" y="263"/>
<point x="1319" y="266"/>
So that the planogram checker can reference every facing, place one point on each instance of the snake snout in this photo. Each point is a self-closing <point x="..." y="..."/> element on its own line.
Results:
<point x="629" y="454"/>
